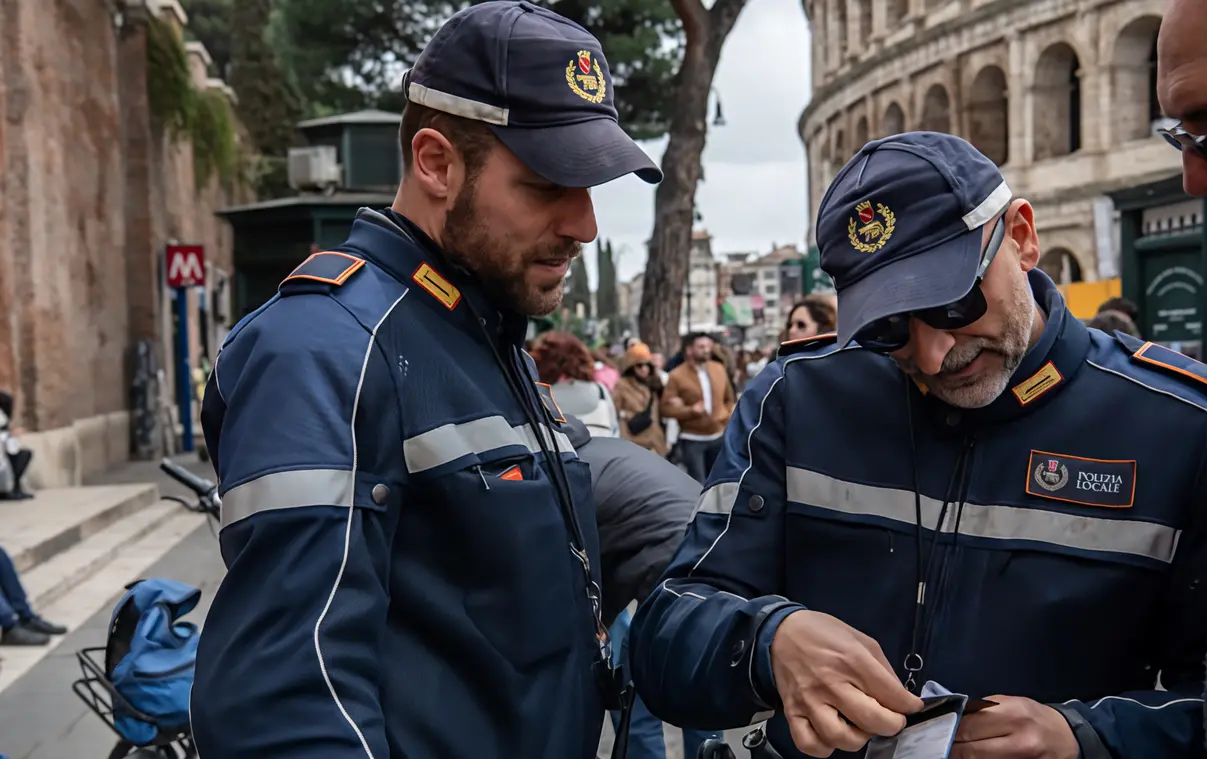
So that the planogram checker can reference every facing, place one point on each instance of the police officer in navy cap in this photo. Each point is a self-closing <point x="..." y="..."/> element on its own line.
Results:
<point x="413" y="566"/>
<point x="965" y="485"/>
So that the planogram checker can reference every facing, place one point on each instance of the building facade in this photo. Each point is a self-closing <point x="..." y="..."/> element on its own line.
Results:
<point x="758" y="291"/>
<point x="699" y="310"/>
<point x="1059" y="93"/>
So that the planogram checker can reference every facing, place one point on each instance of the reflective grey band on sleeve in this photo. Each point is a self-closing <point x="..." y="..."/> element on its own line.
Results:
<point x="450" y="442"/>
<point x="719" y="499"/>
<point x="1131" y="537"/>
<point x="287" y="490"/>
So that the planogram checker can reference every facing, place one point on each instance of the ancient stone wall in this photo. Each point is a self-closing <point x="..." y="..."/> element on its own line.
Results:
<point x="62" y="235"/>
<point x="90" y="191"/>
<point x="1057" y="92"/>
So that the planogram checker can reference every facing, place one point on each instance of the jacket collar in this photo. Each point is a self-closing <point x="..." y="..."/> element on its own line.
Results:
<point x="394" y="243"/>
<point x="1045" y="372"/>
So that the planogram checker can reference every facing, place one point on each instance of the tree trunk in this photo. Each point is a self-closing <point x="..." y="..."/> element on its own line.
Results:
<point x="666" y="269"/>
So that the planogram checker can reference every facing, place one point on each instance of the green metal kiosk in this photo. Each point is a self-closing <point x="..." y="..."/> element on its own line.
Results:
<point x="1163" y="247"/>
<point x="274" y="236"/>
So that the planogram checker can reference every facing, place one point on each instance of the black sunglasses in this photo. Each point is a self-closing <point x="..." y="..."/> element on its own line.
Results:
<point x="892" y="332"/>
<point x="1183" y="140"/>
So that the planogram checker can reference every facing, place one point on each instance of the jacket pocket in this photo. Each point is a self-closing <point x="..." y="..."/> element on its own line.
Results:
<point x="519" y="591"/>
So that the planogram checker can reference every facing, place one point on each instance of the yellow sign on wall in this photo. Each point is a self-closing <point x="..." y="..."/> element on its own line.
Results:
<point x="1084" y="298"/>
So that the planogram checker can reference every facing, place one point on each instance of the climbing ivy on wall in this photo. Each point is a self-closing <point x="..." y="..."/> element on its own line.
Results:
<point x="215" y="149"/>
<point x="170" y="93"/>
<point x="176" y="106"/>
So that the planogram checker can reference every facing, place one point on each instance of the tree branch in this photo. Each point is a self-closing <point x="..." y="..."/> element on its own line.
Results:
<point x="722" y="17"/>
<point x="695" y="21"/>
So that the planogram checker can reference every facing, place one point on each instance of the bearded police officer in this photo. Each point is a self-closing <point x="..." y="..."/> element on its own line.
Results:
<point x="413" y="563"/>
<point x="965" y="485"/>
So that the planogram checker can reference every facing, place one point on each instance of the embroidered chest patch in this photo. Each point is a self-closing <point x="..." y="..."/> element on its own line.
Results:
<point x="1074" y="479"/>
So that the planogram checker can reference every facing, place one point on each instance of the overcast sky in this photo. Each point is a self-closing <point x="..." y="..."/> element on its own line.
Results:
<point x="754" y="166"/>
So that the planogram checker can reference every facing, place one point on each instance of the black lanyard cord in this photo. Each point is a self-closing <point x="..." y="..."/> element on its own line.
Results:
<point x="924" y="560"/>
<point x="947" y="560"/>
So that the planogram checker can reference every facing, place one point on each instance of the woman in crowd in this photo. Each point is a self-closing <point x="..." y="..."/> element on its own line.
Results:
<point x="565" y="364"/>
<point x="605" y="370"/>
<point x="637" y="395"/>
<point x="813" y="315"/>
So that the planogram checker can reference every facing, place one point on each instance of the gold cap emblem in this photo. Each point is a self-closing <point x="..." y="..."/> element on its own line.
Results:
<point x="585" y="78"/>
<point x="871" y="234"/>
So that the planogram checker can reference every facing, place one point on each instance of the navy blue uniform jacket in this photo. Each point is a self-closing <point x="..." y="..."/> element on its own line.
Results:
<point x="400" y="579"/>
<point x="1069" y="568"/>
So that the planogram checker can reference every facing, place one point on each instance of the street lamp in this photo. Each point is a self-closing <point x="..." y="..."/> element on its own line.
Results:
<point x="718" y="117"/>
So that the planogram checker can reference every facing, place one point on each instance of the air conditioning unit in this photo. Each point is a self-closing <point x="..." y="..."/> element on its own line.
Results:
<point x="313" y="168"/>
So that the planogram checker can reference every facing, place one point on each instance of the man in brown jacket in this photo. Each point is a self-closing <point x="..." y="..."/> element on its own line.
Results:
<point x="699" y="395"/>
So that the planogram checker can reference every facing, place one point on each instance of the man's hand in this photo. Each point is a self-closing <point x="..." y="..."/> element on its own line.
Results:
<point x="1015" y="728"/>
<point x="698" y="408"/>
<point x="837" y="687"/>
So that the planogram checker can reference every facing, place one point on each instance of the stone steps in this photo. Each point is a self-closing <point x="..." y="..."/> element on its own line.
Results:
<point x="57" y="519"/>
<point x="49" y="581"/>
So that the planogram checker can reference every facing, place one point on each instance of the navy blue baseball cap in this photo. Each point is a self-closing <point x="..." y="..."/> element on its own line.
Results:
<point x="899" y="228"/>
<point x="542" y="84"/>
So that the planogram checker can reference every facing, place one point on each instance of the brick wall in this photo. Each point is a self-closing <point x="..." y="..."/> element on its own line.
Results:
<point x="89" y="194"/>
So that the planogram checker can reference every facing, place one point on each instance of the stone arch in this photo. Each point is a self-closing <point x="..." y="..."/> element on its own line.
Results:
<point x="1062" y="265"/>
<point x="1134" y="104"/>
<point x="988" y="114"/>
<point x="936" y="110"/>
<point x="861" y="133"/>
<point x="894" y="120"/>
<point x="896" y="12"/>
<point x="841" y="153"/>
<point x="1057" y="94"/>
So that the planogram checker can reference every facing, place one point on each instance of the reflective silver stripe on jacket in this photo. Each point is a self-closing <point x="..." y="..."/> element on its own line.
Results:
<point x="452" y="441"/>
<point x="288" y="489"/>
<point x="1144" y="539"/>
<point x="718" y="499"/>
<point x="334" y="487"/>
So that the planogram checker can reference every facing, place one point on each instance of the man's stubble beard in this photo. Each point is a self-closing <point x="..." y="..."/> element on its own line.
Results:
<point x="469" y="244"/>
<point x="1012" y="346"/>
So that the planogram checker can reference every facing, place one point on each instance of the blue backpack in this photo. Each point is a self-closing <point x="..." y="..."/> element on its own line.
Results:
<point x="149" y="658"/>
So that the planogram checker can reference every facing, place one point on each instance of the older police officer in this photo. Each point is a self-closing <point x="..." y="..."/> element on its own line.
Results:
<point x="413" y="564"/>
<point x="978" y="491"/>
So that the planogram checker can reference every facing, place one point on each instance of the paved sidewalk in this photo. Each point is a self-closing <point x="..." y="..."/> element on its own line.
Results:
<point x="40" y="716"/>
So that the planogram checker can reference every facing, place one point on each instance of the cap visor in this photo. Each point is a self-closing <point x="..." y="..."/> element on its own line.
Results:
<point x="927" y="279"/>
<point x="586" y="154"/>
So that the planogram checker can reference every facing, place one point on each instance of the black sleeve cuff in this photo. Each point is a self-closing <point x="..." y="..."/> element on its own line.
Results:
<point x="1087" y="737"/>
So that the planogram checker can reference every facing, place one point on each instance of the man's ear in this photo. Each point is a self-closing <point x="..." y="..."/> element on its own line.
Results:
<point x="1020" y="228"/>
<point x="436" y="166"/>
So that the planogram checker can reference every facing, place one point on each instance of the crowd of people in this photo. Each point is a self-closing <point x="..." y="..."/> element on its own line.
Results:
<point x="676" y="408"/>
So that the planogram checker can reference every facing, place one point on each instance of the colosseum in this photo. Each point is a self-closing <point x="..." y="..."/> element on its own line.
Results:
<point x="1059" y="93"/>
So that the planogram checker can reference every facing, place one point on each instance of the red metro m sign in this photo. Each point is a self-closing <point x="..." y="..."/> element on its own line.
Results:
<point x="186" y="265"/>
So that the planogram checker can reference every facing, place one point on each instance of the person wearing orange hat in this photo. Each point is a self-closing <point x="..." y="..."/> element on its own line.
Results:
<point x="636" y="395"/>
